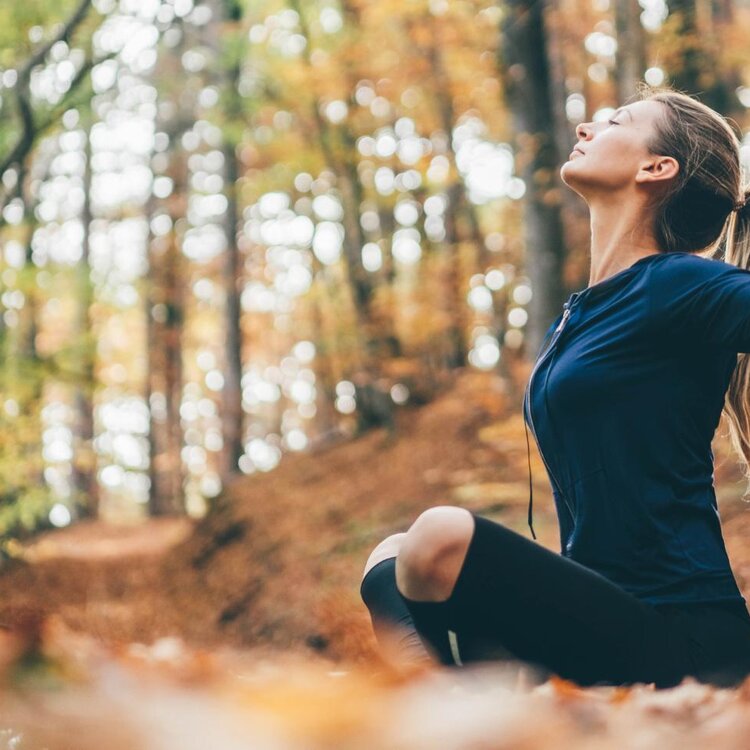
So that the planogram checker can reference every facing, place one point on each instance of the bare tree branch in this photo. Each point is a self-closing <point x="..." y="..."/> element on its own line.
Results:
<point x="61" y="107"/>
<point x="33" y="130"/>
<point x="67" y="30"/>
<point x="30" y="130"/>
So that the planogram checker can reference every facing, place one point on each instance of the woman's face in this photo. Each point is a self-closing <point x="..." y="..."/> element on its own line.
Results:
<point x="611" y="155"/>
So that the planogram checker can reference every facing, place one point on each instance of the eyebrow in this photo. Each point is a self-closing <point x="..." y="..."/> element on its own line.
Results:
<point x="626" y="111"/>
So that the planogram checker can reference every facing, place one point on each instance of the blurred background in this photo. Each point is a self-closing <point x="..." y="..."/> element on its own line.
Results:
<point x="272" y="278"/>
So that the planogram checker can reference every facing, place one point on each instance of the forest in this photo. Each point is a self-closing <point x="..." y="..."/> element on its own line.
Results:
<point x="273" y="277"/>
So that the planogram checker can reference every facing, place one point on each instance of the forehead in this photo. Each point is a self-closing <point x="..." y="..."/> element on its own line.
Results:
<point x="643" y="112"/>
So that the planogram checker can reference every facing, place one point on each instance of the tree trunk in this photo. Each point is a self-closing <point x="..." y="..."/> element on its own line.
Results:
<point x="462" y="226"/>
<point x="84" y="462"/>
<point x="225" y="74"/>
<point x="696" y="70"/>
<point x="232" y="414"/>
<point x="166" y="313"/>
<point x="574" y="211"/>
<point x="454" y="280"/>
<point x="375" y="330"/>
<point x="326" y="377"/>
<point x="166" y="283"/>
<point x="631" y="53"/>
<point x="523" y="66"/>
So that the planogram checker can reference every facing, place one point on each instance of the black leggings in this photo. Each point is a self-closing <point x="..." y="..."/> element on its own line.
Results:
<point x="516" y="599"/>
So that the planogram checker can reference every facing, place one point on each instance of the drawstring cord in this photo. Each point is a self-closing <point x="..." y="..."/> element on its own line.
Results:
<point x="531" y="496"/>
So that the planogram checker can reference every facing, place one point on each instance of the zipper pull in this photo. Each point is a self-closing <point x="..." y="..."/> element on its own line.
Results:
<point x="566" y="313"/>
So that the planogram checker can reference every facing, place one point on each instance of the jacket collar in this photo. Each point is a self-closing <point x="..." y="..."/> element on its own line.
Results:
<point x="614" y="281"/>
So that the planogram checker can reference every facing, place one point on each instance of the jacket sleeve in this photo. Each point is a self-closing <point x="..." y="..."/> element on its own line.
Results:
<point x="702" y="301"/>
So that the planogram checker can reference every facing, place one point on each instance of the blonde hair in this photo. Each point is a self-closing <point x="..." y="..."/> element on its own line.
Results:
<point x="737" y="402"/>
<point x="702" y="209"/>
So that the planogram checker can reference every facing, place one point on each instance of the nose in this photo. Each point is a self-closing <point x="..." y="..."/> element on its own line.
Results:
<point x="583" y="131"/>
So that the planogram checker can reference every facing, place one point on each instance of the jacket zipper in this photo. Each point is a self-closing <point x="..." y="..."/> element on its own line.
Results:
<point x="555" y="336"/>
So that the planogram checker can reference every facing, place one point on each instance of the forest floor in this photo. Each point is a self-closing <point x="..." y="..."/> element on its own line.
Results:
<point x="273" y="575"/>
<point x="279" y="563"/>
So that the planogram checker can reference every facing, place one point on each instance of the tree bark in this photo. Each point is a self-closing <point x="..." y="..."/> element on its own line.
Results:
<point x="165" y="316"/>
<point x="375" y="330"/>
<point x="574" y="211"/>
<point x="232" y="414"/>
<point x="523" y="67"/>
<point x="696" y="69"/>
<point x="225" y="74"/>
<point x="631" y="52"/>
<point x="84" y="462"/>
<point x="164" y="298"/>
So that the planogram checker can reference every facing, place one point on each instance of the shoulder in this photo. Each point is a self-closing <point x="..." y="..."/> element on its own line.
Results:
<point x="689" y="286"/>
<point x="700" y="300"/>
<point x="682" y="271"/>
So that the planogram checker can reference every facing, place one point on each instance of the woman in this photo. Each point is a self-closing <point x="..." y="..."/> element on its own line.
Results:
<point x="623" y="401"/>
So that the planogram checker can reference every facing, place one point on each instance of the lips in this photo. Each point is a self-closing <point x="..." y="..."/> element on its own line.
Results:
<point x="576" y="150"/>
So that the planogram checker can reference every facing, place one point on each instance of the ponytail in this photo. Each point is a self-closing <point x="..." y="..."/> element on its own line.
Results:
<point x="737" y="401"/>
<point x="700" y="213"/>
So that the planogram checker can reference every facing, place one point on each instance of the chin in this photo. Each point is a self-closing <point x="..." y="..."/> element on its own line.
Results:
<point x="565" y="174"/>
<point x="569" y="180"/>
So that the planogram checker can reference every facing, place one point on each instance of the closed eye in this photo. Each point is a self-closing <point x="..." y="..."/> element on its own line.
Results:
<point x="613" y="122"/>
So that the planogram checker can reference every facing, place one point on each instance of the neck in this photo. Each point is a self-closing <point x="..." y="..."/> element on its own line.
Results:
<point x="619" y="237"/>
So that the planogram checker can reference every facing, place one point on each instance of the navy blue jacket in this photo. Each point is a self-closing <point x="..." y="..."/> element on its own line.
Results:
<point x="623" y="400"/>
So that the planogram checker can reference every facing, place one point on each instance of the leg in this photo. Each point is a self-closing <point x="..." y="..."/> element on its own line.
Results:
<point x="542" y="607"/>
<point x="391" y="620"/>
<point x="431" y="557"/>
<point x="389" y="547"/>
<point x="432" y="553"/>
<point x="721" y="634"/>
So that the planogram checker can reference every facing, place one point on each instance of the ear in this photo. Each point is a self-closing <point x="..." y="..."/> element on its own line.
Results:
<point x="657" y="169"/>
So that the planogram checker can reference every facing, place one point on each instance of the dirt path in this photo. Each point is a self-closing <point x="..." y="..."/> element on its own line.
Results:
<point x="91" y="541"/>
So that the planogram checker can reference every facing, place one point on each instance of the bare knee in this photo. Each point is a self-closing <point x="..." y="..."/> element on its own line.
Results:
<point x="432" y="553"/>
<point x="389" y="547"/>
